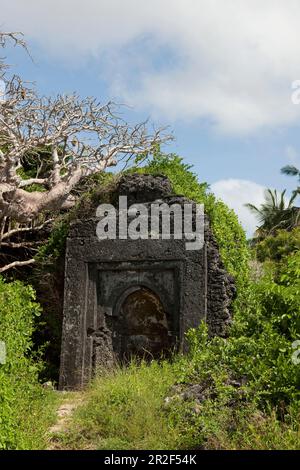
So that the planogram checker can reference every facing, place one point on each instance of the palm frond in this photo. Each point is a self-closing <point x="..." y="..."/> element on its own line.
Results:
<point x="276" y="212"/>
<point x="290" y="170"/>
<point x="252" y="207"/>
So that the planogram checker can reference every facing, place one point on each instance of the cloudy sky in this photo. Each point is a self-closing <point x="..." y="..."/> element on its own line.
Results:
<point x="220" y="73"/>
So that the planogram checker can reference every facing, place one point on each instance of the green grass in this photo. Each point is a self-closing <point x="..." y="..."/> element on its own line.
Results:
<point x="34" y="417"/>
<point x="125" y="409"/>
<point x="256" y="431"/>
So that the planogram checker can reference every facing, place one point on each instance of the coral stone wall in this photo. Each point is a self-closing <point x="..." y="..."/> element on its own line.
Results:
<point x="139" y="297"/>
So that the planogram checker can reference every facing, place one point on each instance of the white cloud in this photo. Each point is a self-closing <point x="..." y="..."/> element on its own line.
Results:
<point x="236" y="193"/>
<point x="231" y="62"/>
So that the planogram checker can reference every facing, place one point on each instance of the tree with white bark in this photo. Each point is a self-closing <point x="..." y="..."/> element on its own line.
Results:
<point x="80" y="137"/>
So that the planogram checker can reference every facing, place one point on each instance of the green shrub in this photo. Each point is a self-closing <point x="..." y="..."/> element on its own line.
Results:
<point x="55" y="246"/>
<point x="259" y="349"/>
<point x="220" y="425"/>
<point x="253" y="399"/>
<point x="25" y="407"/>
<point x="276" y="247"/>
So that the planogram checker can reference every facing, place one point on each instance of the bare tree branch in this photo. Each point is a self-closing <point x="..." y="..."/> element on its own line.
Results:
<point x="16" y="37"/>
<point x="82" y="135"/>
<point x="25" y="244"/>
<point x="16" y="264"/>
<point x="31" y="181"/>
<point x="68" y="137"/>
<point x="25" y="229"/>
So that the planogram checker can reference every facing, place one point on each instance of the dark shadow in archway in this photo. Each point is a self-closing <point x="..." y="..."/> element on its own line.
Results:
<point x="143" y="326"/>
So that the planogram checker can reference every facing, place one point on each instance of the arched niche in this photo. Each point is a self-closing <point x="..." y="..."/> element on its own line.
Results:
<point x="142" y="324"/>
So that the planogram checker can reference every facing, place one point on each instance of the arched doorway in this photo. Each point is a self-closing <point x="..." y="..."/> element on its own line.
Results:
<point x="144" y="325"/>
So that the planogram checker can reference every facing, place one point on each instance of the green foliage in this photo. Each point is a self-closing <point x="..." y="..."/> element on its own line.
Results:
<point x="55" y="245"/>
<point x="259" y="350"/>
<point x="91" y="190"/>
<point x="22" y="421"/>
<point x="221" y="424"/>
<point x="140" y="407"/>
<point x="280" y="291"/>
<point x="225" y="225"/>
<point x="262" y="411"/>
<point x="35" y="162"/>
<point x="231" y="239"/>
<point x="274" y="248"/>
<point x="260" y="346"/>
<point x="251" y="429"/>
<point x="25" y="175"/>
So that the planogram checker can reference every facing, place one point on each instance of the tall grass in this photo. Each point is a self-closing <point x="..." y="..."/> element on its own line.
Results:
<point x="124" y="409"/>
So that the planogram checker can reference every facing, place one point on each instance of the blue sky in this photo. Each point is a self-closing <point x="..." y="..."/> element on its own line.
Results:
<point x="219" y="73"/>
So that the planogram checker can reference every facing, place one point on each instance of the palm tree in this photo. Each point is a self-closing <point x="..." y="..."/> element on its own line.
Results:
<point x="275" y="213"/>
<point x="291" y="170"/>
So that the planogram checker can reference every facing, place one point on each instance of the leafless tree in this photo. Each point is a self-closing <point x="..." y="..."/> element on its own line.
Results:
<point x="81" y="136"/>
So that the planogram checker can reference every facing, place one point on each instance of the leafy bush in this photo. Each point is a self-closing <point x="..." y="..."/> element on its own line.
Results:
<point x="22" y="399"/>
<point x="220" y="424"/>
<point x="276" y="247"/>
<point x="252" y="385"/>
<point x="259" y="351"/>
<point x="260" y="346"/>
<point x="55" y="245"/>
<point x="280" y="290"/>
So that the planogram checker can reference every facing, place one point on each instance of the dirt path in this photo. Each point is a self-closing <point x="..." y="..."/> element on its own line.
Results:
<point x="64" y="414"/>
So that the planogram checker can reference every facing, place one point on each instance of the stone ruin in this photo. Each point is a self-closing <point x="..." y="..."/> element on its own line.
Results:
<point x="127" y="298"/>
